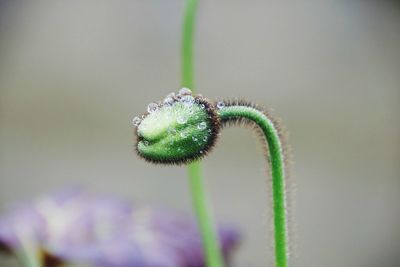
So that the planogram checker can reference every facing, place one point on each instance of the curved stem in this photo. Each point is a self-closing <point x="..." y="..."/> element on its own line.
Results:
<point x="277" y="173"/>
<point x="210" y="241"/>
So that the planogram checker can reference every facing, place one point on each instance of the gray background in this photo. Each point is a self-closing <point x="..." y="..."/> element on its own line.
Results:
<point x="74" y="73"/>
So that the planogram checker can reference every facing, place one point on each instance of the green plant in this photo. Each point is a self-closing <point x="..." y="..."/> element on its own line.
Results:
<point x="183" y="128"/>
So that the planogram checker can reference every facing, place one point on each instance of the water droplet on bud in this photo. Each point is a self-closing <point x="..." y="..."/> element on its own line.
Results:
<point x="220" y="104"/>
<point x="183" y="134"/>
<point x="182" y="119"/>
<point x="185" y="91"/>
<point x="152" y="107"/>
<point x="168" y="101"/>
<point x="171" y="130"/>
<point x="136" y="121"/>
<point x="171" y="95"/>
<point x="187" y="100"/>
<point x="202" y="125"/>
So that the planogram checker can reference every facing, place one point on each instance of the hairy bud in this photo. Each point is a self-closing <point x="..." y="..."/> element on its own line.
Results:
<point x="180" y="129"/>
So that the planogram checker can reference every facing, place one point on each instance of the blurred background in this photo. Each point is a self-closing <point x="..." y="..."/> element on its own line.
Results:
<point x="74" y="73"/>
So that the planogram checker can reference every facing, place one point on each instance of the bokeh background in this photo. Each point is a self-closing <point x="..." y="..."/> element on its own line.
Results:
<point x="74" y="73"/>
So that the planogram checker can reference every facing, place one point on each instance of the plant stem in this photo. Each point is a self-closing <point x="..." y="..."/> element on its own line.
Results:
<point x="187" y="44"/>
<point x="277" y="173"/>
<point x="210" y="241"/>
<point x="29" y="255"/>
<point x="212" y="251"/>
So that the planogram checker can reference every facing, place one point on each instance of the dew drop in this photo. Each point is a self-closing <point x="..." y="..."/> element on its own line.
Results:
<point x="202" y="125"/>
<point x="152" y="107"/>
<point x="171" y="95"/>
<point x="183" y="134"/>
<point x="168" y="101"/>
<point x="201" y="151"/>
<point x="146" y="143"/>
<point x="194" y="138"/>
<point x="220" y="104"/>
<point x="136" y="121"/>
<point x="187" y="100"/>
<point x="182" y="119"/>
<point x="185" y="91"/>
<point x="205" y="138"/>
<point x="171" y="130"/>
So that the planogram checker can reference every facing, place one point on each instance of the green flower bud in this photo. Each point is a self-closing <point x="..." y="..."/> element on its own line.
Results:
<point x="180" y="129"/>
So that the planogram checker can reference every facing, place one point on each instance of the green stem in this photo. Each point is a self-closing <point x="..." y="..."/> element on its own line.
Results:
<point x="210" y="241"/>
<point x="29" y="255"/>
<point x="187" y="44"/>
<point x="277" y="173"/>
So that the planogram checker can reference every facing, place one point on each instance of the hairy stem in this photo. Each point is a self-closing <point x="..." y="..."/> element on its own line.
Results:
<point x="206" y="226"/>
<point x="277" y="172"/>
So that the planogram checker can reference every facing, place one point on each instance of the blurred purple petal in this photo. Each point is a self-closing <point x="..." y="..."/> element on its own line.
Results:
<point x="77" y="226"/>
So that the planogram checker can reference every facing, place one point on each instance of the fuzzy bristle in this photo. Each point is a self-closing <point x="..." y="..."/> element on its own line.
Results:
<point x="286" y="151"/>
<point x="240" y="121"/>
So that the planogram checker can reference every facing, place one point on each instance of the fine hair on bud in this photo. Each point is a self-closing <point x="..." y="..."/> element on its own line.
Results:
<point x="180" y="129"/>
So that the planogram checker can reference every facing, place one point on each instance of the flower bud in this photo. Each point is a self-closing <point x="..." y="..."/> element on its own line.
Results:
<point x="179" y="129"/>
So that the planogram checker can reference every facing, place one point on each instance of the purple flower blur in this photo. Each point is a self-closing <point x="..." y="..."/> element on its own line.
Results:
<point x="76" y="226"/>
